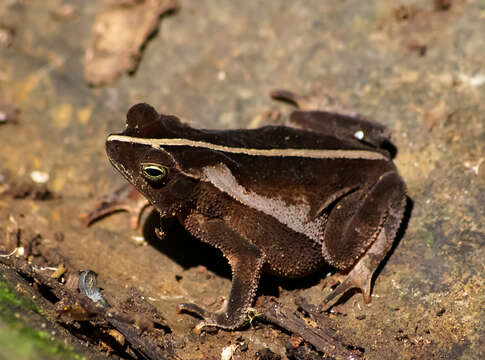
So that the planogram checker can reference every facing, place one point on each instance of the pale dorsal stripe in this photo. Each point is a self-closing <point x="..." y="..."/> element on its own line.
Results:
<point x="309" y="153"/>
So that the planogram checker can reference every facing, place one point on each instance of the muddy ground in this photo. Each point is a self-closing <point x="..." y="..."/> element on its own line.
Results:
<point x="416" y="66"/>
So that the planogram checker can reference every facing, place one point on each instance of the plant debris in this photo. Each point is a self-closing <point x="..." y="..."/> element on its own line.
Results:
<point x="8" y="112"/>
<point x="132" y="329"/>
<point x="323" y="338"/>
<point x="117" y="36"/>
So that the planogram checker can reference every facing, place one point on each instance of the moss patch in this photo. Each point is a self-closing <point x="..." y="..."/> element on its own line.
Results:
<point x="10" y="298"/>
<point x="19" y="340"/>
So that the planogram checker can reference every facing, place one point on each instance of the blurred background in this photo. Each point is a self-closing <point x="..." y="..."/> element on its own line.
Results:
<point x="69" y="71"/>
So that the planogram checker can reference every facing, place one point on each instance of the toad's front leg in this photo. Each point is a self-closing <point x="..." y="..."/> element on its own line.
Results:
<point x="246" y="261"/>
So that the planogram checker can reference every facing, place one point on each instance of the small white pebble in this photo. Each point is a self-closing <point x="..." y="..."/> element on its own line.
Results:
<point x="477" y="80"/>
<point x="474" y="168"/>
<point x="228" y="351"/>
<point x="140" y="240"/>
<point x="221" y="75"/>
<point x="39" y="177"/>
<point x="359" y="135"/>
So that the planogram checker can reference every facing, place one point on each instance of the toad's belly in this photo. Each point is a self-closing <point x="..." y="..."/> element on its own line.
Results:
<point x="288" y="253"/>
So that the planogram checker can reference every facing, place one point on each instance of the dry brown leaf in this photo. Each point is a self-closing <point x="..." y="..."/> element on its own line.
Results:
<point x="117" y="36"/>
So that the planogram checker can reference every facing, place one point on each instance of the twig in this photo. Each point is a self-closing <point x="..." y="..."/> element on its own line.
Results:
<point x="323" y="340"/>
<point x="73" y="303"/>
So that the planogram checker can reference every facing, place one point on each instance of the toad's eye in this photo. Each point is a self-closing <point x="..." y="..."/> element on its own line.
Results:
<point x="154" y="172"/>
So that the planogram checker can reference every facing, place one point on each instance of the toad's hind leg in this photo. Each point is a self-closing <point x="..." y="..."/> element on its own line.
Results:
<point x="386" y="201"/>
<point x="324" y="115"/>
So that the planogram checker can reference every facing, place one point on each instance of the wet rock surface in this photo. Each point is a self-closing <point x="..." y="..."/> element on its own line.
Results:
<point x="414" y="66"/>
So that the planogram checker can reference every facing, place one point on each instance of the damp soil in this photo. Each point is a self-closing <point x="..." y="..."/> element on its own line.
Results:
<point x="415" y="66"/>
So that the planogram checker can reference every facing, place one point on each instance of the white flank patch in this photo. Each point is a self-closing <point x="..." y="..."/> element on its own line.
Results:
<point x="293" y="216"/>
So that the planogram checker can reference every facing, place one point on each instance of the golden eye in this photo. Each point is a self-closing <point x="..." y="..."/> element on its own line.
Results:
<point x="154" y="172"/>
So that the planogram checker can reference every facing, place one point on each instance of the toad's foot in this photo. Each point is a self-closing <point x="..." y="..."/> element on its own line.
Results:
<point x="312" y="102"/>
<point x="210" y="320"/>
<point x="360" y="276"/>
<point x="126" y="198"/>
<point x="325" y="115"/>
